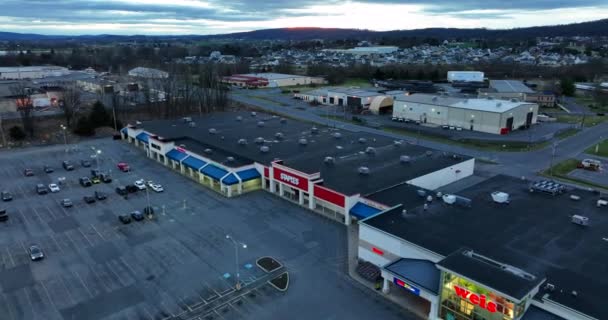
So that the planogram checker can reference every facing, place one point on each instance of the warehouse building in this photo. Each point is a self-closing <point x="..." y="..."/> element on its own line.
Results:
<point x="355" y="99"/>
<point x="485" y="115"/>
<point x="325" y="170"/>
<point x="465" y="76"/>
<point x="34" y="72"/>
<point x="504" y="248"/>
<point x="270" y="80"/>
<point x="148" y="73"/>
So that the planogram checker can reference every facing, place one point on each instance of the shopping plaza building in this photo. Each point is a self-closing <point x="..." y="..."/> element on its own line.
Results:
<point x="427" y="231"/>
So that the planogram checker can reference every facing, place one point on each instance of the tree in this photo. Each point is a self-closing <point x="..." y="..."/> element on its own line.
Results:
<point x="70" y="104"/>
<point x="23" y="94"/>
<point x="16" y="133"/>
<point x="567" y="87"/>
<point x="99" y="117"/>
<point x="83" y="127"/>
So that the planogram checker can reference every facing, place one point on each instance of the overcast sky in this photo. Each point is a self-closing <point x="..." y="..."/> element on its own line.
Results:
<point x="225" y="16"/>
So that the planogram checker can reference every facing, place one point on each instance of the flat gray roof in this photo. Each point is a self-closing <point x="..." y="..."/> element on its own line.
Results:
<point x="488" y="105"/>
<point x="510" y="86"/>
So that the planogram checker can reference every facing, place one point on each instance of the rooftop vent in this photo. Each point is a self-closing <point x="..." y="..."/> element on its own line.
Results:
<point x="314" y="130"/>
<point x="397" y="143"/>
<point x="239" y="118"/>
<point x="253" y="114"/>
<point x="274" y="116"/>
<point x="242" y="142"/>
<point x="490" y="98"/>
<point x="435" y="98"/>
<point x="429" y="153"/>
<point x="208" y="151"/>
<point x="405" y="159"/>
<point x="421" y="193"/>
<point x="259" y="140"/>
<point x="514" y="100"/>
<point x="187" y="119"/>
<point x="363" y="170"/>
<point x="303" y="141"/>
<point x="230" y="159"/>
<point x="283" y="120"/>
<point x="500" y="197"/>
<point x="580" y="220"/>
<point x="264" y="149"/>
<point x="337" y="135"/>
<point x="192" y="124"/>
<point x="370" y="150"/>
<point x="499" y="104"/>
<point x="329" y="160"/>
<point x="550" y="287"/>
<point x="279" y="135"/>
<point x="182" y="145"/>
<point x="575" y="197"/>
<point x="260" y="124"/>
<point x="465" y="101"/>
<point x="212" y="131"/>
<point x="362" y="140"/>
<point x="138" y="123"/>
<point x="449" y="198"/>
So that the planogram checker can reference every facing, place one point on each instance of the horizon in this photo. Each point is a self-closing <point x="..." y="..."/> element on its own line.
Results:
<point x="211" y="17"/>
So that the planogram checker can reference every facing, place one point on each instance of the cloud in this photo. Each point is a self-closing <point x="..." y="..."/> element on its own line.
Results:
<point x="213" y="16"/>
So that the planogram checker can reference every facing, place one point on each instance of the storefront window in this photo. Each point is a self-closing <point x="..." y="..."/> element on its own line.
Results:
<point x="464" y="300"/>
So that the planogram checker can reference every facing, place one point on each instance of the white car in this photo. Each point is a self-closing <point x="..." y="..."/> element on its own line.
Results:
<point x="157" y="187"/>
<point x="140" y="184"/>
<point x="53" y="187"/>
<point x="150" y="183"/>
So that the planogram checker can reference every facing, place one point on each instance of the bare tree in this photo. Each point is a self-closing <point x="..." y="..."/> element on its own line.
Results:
<point x="25" y="105"/>
<point x="72" y="100"/>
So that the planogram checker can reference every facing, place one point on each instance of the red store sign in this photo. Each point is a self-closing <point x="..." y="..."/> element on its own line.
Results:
<point x="291" y="179"/>
<point x="476" y="299"/>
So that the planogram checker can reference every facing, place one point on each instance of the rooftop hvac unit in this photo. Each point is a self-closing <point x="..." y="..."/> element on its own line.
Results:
<point x="421" y="193"/>
<point x="138" y="123"/>
<point x="580" y="220"/>
<point x="397" y="143"/>
<point x="212" y="131"/>
<point x="230" y="159"/>
<point x="575" y="197"/>
<point x="264" y="149"/>
<point x="192" y="124"/>
<point x="187" y="119"/>
<point x="370" y="150"/>
<point x="337" y="135"/>
<point x="363" y="170"/>
<point x="435" y="98"/>
<point x="314" y="130"/>
<point x="429" y="198"/>
<point x="449" y="198"/>
<point x="303" y="141"/>
<point x="362" y="140"/>
<point x="208" y="151"/>
<point x="329" y="160"/>
<point x="242" y="142"/>
<point x="260" y="124"/>
<point x="514" y="100"/>
<point x="498" y="105"/>
<point x="253" y="114"/>
<point x="500" y="197"/>
<point x="259" y="140"/>
<point x="182" y="146"/>
<point x="429" y="153"/>
<point x="279" y="135"/>
<point x="404" y="159"/>
<point x="550" y="287"/>
<point x="283" y="120"/>
<point x="601" y="203"/>
<point x="239" y="118"/>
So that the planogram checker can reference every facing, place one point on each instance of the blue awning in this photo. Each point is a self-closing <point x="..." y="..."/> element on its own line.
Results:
<point x="194" y="163"/>
<point x="176" y="155"/>
<point x="362" y="211"/>
<point x="230" y="180"/>
<point x="124" y="130"/>
<point x="248" y="174"/>
<point x="143" y="137"/>
<point x="214" y="172"/>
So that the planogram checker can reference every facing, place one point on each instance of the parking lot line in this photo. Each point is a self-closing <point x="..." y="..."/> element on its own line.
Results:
<point x="99" y="279"/>
<point x="11" y="257"/>
<point x="71" y="240"/>
<point x="82" y="282"/>
<point x="38" y="215"/>
<point x="128" y="266"/>
<point x="67" y="290"/>
<point x="148" y="312"/>
<point x="8" y="306"/>
<point x="48" y="295"/>
<point x="23" y="216"/>
<point x="102" y="237"/>
<point x="29" y="301"/>
<point x="85" y="237"/>
<point x="50" y="212"/>
<point x="56" y="243"/>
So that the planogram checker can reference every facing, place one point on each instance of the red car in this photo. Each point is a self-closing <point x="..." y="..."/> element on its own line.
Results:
<point x="123" y="166"/>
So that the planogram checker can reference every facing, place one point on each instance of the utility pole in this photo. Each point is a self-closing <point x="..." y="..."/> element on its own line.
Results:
<point x="2" y="132"/>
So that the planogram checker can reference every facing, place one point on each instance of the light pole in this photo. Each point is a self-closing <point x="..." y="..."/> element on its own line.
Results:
<point x="554" y="145"/>
<point x="236" y="252"/>
<point x="97" y="155"/>
<point x="65" y="136"/>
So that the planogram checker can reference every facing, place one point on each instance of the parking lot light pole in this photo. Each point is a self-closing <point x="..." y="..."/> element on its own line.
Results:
<point x="236" y="254"/>
<point x="97" y="155"/>
<point x="65" y="136"/>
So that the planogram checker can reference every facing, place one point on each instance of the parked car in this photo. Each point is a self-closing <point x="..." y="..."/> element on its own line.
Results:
<point x="6" y="196"/>
<point x="66" y="203"/>
<point x="122" y="190"/>
<point x="100" y="195"/>
<point x="28" y="172"/>
<point x="85" y="163"/>
<point x="125" y="219"/>
<point x="137" y="216"/>
<point x="48" y="169"/>
<point x="105" y="177"/>
<point x="95" y="180"/>
<point x="157" y="187"/>
<point x="67" y="165"/>
<point x="89" y="199"/>
<point x="140" y="184"/>
<point x="36" y="253"/>
<point x="95" y="172"/>
<point x="85" y="182"/>
<point x="149" y="211"/>
<point x="3" y="215"/>
<point x="123" y="166"/>
<point x="131" y="188"/>
<point x="41" y="189"/>
<point x="54" y="188"/>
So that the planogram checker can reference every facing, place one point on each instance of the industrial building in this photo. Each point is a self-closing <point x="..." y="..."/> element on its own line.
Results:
<point x="148" y="73"/>
<point x="360" y="51"/>
<point x="326" y="170"/>
<point x="515" y="89"/>
<point x="465" y="76"/>
<point x="503" y="248"/>
<point x="355" y="99"/>
<point x="34" y="72"/>
<point x="485" y="115"/>
<point x="271" y="80"/>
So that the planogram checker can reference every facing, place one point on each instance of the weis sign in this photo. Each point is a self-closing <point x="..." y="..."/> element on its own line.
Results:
<point x="290" y="179"/>
<point x="476" y="299"/>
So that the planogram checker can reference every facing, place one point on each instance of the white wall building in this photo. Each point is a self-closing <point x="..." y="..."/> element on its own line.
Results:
<point x="485" y="115"/>
<point x="465" y="76"/>
<point x="35" y="72"/>
<point x="148" y="73"/>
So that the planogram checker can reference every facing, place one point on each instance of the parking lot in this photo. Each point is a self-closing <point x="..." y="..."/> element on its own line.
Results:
<point x="172" y="266"/>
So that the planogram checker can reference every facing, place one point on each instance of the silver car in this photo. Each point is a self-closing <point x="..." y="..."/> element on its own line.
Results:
<point x="36" y="253"/>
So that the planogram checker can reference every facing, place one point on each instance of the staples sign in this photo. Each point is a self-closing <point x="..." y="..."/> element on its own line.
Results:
<point x="291" y="179"/>
<point x="476" y="299"/>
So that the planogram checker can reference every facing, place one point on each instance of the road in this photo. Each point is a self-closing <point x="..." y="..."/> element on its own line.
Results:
<point x="511" y="163"/>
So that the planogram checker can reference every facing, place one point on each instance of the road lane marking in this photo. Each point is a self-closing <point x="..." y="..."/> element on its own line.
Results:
<point x="83" y="283"/>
